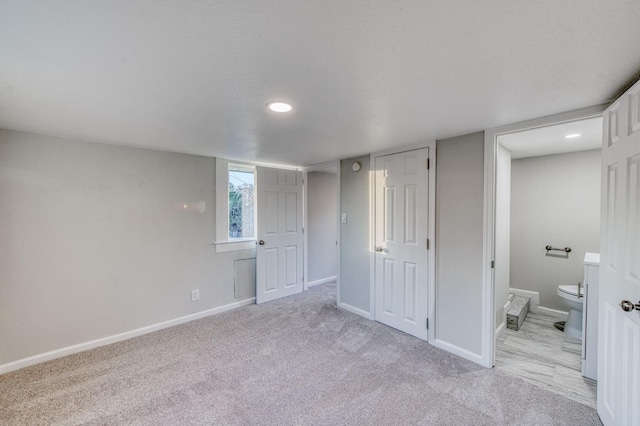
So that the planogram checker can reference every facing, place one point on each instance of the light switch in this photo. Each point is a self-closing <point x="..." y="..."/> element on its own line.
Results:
<point x="343" y="218"/>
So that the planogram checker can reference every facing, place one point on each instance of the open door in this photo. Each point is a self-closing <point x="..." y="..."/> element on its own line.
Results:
<point x="619" y="316"/>
<point x="279" y="255"/>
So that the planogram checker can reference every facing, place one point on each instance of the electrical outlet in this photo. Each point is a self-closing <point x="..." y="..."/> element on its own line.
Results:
<point x="195" y="295"/>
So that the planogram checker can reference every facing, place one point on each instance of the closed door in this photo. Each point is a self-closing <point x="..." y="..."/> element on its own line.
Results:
<point x="279" y="254"/>
<point x="619" y="315"/>
<point x="400" y="244"/>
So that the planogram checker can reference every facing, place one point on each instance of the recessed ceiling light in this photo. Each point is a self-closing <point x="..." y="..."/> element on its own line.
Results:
<point x="573" y="135"/>
<point x="279" y="106"/>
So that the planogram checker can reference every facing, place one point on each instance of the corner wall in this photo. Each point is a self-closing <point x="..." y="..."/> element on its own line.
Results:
<point x="95" y="241"/>
<point x="459" y="244"/>
<point x="355" y="247"/>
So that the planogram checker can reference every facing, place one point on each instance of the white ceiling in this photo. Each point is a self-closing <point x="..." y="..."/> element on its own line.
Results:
<point x="551" y="139"/>
<point x="363" y="75"/>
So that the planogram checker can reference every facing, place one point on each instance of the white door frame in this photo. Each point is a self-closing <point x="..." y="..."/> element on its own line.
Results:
<point x="431" y="232"/>
<point x="488" y="255"/>
<point x="333" y="167"/>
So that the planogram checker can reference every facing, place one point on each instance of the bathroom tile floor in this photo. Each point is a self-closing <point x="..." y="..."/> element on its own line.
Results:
<point x="540" y="354"/>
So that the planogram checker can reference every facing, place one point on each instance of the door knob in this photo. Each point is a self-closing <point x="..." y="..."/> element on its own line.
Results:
<point x="628" y="306"/>
<point x="261" y="242"/>
<point x="378" y="249"/>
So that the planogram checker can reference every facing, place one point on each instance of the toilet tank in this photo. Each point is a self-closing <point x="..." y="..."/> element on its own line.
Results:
<point x="590" y="316"/>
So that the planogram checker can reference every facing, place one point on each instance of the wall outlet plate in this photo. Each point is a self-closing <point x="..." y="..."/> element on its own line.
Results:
<point x="195" y="295"/>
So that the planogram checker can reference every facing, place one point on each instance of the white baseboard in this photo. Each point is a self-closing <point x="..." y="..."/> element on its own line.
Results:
<point x="322" y="281"/>
<point x="457" y="350"/>
<point x="533" y="296"/>
<point x="81" y="347"/>
<point x="501" y="328"/>
<point x="553" y="313"/>
<point x="355" y="310"/>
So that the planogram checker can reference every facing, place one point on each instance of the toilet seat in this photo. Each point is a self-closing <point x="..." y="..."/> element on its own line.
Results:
<point x="571" y="290"/>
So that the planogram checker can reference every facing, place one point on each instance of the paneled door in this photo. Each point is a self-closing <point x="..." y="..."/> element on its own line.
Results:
<point x="279" y="254"/>
<point x="400" y="244"/>
<point x="619" y="316"/>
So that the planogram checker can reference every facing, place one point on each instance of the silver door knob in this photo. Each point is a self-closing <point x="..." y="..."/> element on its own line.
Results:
<point x="261" y="242"/>
<point x="629" y="306"/>
<point x="378" y="249"/>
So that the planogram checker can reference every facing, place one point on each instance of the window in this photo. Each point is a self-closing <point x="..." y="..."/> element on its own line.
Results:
<point x="241" y="203"/>
<point x="235" y="206"/>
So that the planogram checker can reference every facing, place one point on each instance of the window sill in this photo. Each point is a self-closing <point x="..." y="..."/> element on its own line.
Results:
<point x="225" y="246"/>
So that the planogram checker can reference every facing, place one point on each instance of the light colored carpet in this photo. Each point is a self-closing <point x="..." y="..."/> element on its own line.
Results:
<point x="296" y="361"/>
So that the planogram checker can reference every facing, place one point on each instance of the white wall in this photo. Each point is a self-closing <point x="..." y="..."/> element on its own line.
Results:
<point x="95" y="241"/>
<point x="355" y="248"/>
<point x="322" y="204"/>
<point x="459" y="244"/>
<point x="502" y="232"/>
<point x="555" y="200"/>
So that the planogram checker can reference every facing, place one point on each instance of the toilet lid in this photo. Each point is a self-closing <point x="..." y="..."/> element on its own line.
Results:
<point x="569" y="289"/>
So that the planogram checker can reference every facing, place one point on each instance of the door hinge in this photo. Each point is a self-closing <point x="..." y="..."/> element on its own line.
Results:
<point x="303" y="230"/>
<point x="427" y="244"/>
<point x="428" y="163"/>
<point x="427" y="324"/>
<point x="493" y="264"/>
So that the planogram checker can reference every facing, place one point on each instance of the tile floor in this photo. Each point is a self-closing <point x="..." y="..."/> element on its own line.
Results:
<point x="544" y="356"/>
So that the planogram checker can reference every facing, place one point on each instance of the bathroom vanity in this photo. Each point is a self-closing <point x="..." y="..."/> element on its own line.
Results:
<point x="590" y="316"/>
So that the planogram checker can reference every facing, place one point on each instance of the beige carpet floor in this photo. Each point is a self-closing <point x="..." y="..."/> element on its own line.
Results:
<point x="296" y="361"/>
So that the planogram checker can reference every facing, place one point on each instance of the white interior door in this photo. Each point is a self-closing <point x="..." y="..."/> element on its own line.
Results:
<point x="401" y="230"/>
<point x="279" y="254"/>
<point x="619" y="330"/>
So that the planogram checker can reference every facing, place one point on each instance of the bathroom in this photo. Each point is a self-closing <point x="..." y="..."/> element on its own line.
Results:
<point x="547" y="194"/>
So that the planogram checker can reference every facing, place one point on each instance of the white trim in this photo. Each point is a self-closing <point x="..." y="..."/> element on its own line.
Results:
<point x="338" y="240"/>
<point x="488" y="255"/>
<point x="238" y="162"/>
<point x="401" y="149"/>
<point x="555" y="313"/>
<point x="490" y="149"/>
<point x="431" y="230"/>
<point x="431" y="256"/>
<point x="372" y="234"/>
<point x="322" y="281"/>
<point x="81" y="347"/>
<point x="222" y="201"/>
<point x="357" y="311"/>
<point x="305" y="233"/>
<point x="457" y="350"/>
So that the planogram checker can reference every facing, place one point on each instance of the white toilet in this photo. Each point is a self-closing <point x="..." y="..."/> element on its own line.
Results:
<point x="569" y="296"/>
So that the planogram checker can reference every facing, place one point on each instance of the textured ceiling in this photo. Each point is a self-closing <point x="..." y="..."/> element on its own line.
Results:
<point x="195" y="76"/>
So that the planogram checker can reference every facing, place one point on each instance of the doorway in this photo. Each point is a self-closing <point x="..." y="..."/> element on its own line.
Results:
<point x="322" y="226"/>
<point x="402" y="230"/>
<point x="547" y="194"/>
